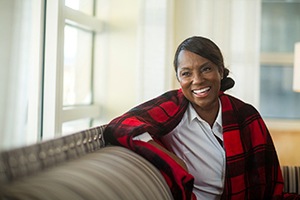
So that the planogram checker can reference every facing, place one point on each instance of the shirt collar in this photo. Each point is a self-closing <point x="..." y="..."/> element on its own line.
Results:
<point x="192" y="114"/>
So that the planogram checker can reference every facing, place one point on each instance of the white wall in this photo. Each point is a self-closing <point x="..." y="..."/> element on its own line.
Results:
<point x="137" y="61"/>
<point x="117" y="89"/>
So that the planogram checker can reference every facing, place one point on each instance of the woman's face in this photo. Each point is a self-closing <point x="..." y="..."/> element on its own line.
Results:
<point x="200" y="80"/>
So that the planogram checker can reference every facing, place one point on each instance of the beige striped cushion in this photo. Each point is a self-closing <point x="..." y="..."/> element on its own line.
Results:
<point x="112" y="173"/>
<point x="291" y="177"/>
<point x="24" y="161"/>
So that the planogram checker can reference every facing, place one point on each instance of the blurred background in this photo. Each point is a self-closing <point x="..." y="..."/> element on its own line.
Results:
<point x="68" y="65"/>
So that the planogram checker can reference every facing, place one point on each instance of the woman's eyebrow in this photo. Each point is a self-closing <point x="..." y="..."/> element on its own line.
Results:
<point x="206" y="64"/>
<point x="184" y="68"/>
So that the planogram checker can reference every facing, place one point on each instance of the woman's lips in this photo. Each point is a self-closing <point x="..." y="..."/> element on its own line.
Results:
<point x="201" y="92"/>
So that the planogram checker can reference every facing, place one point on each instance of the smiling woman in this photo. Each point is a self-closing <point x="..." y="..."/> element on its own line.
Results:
<point x="200" y="82"/>
<point x="200" y="73"/>
<point x="199" y="137"/>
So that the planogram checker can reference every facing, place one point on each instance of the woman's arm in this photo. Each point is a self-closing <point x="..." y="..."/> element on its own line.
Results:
<point x="172" y="155"/>
<point x="146" y="137"/>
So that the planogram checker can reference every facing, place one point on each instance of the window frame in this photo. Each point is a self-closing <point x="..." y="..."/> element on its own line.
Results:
<point x="54" y="113"/>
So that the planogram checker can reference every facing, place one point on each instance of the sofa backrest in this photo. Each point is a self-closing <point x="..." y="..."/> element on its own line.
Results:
<point x="291" y="178"/>
<point x="79" y="166"/>
<point x="27" y="160"/>
<point x="113" y="172"/>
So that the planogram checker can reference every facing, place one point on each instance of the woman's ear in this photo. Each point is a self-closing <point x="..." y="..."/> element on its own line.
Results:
<point x="221" y="71"/>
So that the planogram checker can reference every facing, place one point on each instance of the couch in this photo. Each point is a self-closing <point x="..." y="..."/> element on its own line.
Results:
<point x="81" y="166"/>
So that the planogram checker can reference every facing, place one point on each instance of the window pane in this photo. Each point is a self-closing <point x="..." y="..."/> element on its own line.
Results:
<point x="280" y="26"/>
<point x="277" y="99"/>
<point x="77" y="67"/>
<point x="85" y="6"/>
<point x="280" y="31"/>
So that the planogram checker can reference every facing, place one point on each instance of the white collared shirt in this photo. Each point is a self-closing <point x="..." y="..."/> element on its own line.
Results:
<point x="193" y="141"/>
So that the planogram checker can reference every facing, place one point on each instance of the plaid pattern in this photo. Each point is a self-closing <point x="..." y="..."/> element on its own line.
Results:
<point x="252" y="167"/>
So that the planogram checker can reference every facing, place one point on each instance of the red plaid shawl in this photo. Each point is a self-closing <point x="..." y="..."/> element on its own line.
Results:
<point x="252" y="168"/>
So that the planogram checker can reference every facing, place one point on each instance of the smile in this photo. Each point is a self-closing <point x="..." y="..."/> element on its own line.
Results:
<point x="201" y="91"/>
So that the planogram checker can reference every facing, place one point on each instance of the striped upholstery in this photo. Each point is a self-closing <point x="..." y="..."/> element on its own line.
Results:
<point x="291" y="177"/>
<point x="24" y="161"/>
<point x="114" y="173"/>
<point x="78" y="167"/>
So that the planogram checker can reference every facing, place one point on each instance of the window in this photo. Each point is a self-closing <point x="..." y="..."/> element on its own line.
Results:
<point x="280" y="31"/>
<point x="68" y="93"/>
<point x="47" y="63"/>
<point x="278" y="99"/>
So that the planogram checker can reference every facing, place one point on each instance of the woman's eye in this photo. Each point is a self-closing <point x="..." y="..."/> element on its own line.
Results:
<point x="206" y="69"/>
<point x="185" y="73"/>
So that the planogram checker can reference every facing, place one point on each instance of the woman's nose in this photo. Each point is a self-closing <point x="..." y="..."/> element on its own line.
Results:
<point x="197" y="78"/>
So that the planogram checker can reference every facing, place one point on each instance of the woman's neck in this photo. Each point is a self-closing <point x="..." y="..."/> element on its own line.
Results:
<point x="208" y="114"/>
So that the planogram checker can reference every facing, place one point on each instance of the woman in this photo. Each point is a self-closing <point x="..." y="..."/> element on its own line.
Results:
<point x="207" y="144"/>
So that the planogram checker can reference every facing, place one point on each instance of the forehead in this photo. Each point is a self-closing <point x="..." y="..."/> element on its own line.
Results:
<point x="188" y="59"/>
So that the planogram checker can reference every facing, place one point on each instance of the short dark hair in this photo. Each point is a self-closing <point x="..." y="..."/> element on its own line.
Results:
<point x="206" y="48"/>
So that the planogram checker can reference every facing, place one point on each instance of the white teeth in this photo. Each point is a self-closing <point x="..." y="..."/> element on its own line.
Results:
<point x="201" y="91"/>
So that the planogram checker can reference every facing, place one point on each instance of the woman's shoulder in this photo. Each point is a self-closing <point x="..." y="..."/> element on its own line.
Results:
<point x="236" y="110"/>
<point x="238" y="104"/>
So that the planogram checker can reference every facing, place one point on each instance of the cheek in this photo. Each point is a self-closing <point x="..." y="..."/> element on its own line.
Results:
<point x="184" y="84"/>
<point x="186" y="90"/>
<point x="216" y="78"/>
